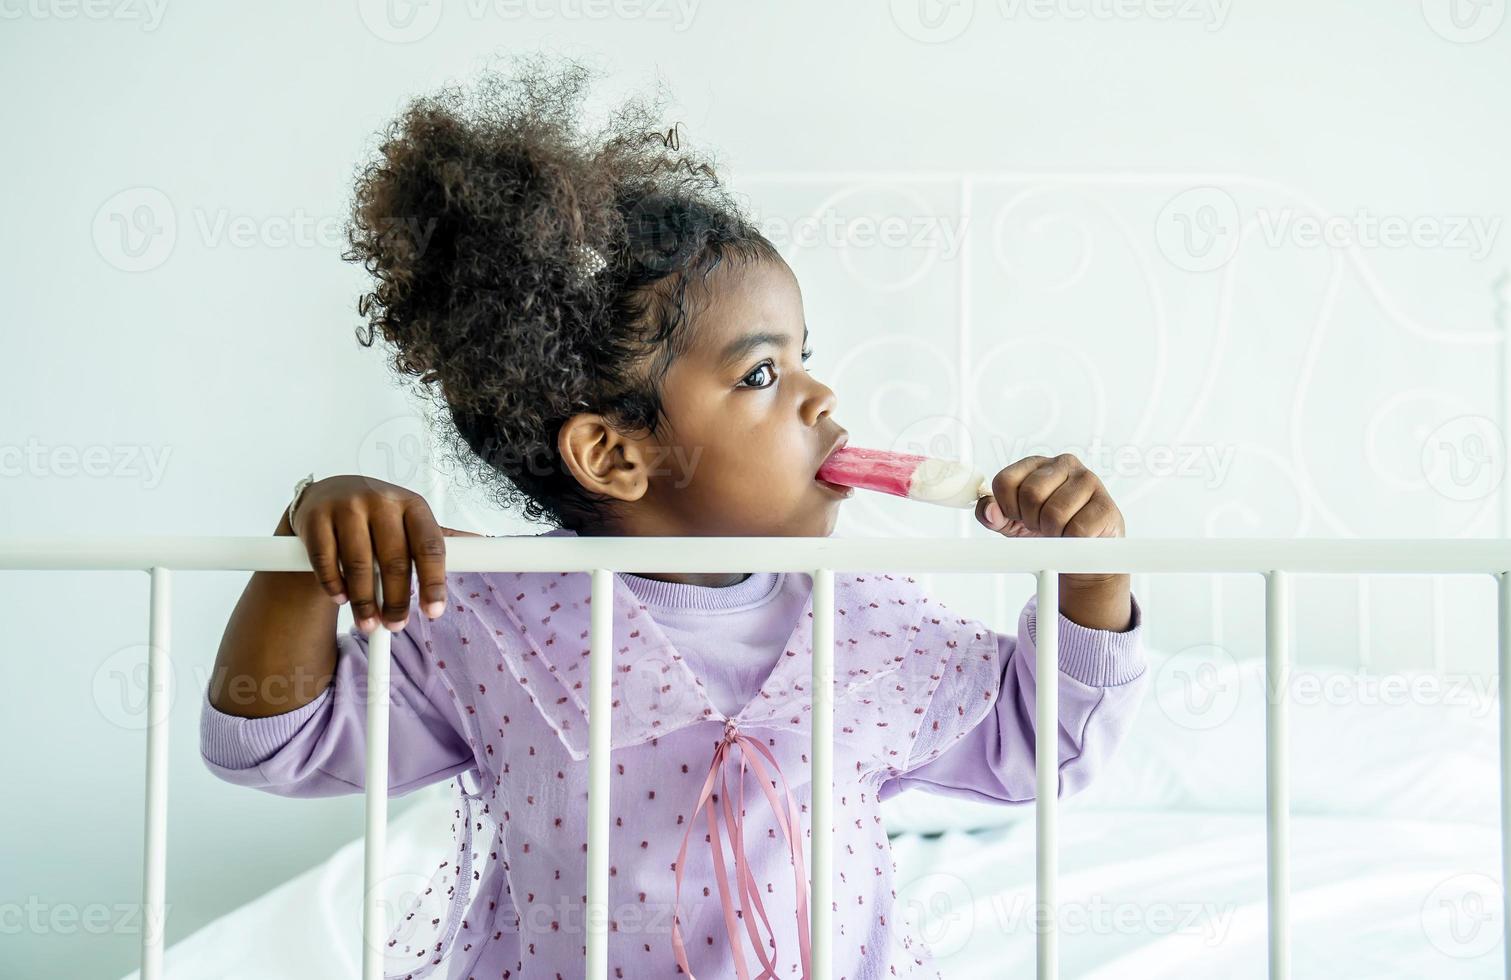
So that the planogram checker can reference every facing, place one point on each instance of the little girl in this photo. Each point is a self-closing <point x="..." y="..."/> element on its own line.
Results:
<point x="618" y="351"/>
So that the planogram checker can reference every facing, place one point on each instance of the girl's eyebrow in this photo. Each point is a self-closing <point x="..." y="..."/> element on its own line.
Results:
<point x="741" y="346"/>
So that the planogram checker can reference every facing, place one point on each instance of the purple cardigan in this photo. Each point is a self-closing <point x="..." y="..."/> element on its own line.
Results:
<point x="496" y="689"/>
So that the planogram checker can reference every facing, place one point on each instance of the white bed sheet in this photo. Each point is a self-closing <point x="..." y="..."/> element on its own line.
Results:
<point x="1175" y="894"/>
<point x="1169" y="894"/>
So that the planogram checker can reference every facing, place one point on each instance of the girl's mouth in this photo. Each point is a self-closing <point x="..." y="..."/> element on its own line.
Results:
<point x="839" y="491"/>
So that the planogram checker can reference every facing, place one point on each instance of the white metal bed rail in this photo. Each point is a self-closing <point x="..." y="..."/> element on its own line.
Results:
<point x="818" y="557"/>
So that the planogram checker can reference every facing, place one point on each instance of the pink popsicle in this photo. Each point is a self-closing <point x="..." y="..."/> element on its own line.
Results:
<point x="926" y="478"/>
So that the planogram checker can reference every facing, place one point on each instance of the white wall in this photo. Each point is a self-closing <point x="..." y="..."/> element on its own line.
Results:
<point x="1060" y="283"/>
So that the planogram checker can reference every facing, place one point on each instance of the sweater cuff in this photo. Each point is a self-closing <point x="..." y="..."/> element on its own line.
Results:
<point x="1098" y="658"/>
<point x="234" y="742"/>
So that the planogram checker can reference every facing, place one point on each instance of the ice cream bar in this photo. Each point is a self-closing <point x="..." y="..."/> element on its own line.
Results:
<point x="928" y="478"/>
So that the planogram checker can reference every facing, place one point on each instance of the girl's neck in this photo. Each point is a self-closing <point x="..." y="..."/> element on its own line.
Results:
<point x="716" y="580"/>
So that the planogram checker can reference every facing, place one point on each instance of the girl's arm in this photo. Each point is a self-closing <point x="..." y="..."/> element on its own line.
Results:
<point x="1102" y="681"/>
<point x="285" y="709"/>
<point x="277" y="652"/>
<point x="320" y="748"/>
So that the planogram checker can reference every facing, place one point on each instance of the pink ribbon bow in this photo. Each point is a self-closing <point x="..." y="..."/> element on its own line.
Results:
<point x="749" y="892"/>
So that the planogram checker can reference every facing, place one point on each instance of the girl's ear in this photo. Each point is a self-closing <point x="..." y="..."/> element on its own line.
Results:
<point x="603" y="459"/>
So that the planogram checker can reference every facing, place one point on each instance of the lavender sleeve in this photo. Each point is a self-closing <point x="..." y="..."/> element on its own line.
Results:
<point x="1103" y="677"/>
<point x="320" y="748"/>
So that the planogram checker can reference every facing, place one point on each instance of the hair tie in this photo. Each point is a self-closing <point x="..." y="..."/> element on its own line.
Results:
<point x="590" y="262"/>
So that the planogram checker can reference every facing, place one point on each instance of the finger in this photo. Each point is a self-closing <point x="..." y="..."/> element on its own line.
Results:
<point x="990" y="514"/>
<point x="1005" y="484"/>
<point x="1098" y="519"/>
<point x="320" y="542"/>
<point x="354" y="544"/>
<point x="1036" y="488"/>
<point x="453" y="533"/>
<point x="1067" y="500"/>
<point x="427" y="545"/>
<point x="391" y="551"/>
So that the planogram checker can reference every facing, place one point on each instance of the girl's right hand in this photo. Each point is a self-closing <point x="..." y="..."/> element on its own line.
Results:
<point x="350" y="523"/>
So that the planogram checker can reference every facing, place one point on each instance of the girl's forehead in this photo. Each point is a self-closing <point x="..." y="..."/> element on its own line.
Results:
<point x="747" y="304"/>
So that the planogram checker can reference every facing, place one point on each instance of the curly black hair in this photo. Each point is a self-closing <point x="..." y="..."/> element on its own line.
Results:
<point x="473" y="219"/>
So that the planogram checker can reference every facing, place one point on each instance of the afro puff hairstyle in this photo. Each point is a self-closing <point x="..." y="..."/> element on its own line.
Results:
<point x="530" y="271"/>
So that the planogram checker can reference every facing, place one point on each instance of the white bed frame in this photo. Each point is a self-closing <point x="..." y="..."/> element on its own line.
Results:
<point x="1274" y="559"/>
<point x="818" y="557"/>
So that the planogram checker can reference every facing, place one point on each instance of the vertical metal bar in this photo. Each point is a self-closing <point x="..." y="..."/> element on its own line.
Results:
<point x="965" y="386"/>
<point x="1047" y="771"/>
<point x="820" y="911"/>
<point x="600" y="728"/>
<point x="375" y="781"/>
<point x="1277" y="778"/>
<point x="155" y="866"/>
<point x="1503" y="605"/>
<point x="1439" y="644"/>
<point x="1365" y="613"/>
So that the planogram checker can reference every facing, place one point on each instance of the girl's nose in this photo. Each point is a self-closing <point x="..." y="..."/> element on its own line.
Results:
<point x="820" y="403"/>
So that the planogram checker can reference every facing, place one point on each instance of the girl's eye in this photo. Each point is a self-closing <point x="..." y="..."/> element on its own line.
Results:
<point x="763" y="366"/>
<point x="767" y="365"/>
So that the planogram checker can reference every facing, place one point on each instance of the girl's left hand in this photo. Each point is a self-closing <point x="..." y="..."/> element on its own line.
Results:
<point x="1061" y="498"/>
<point x="1050" y="498"/>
